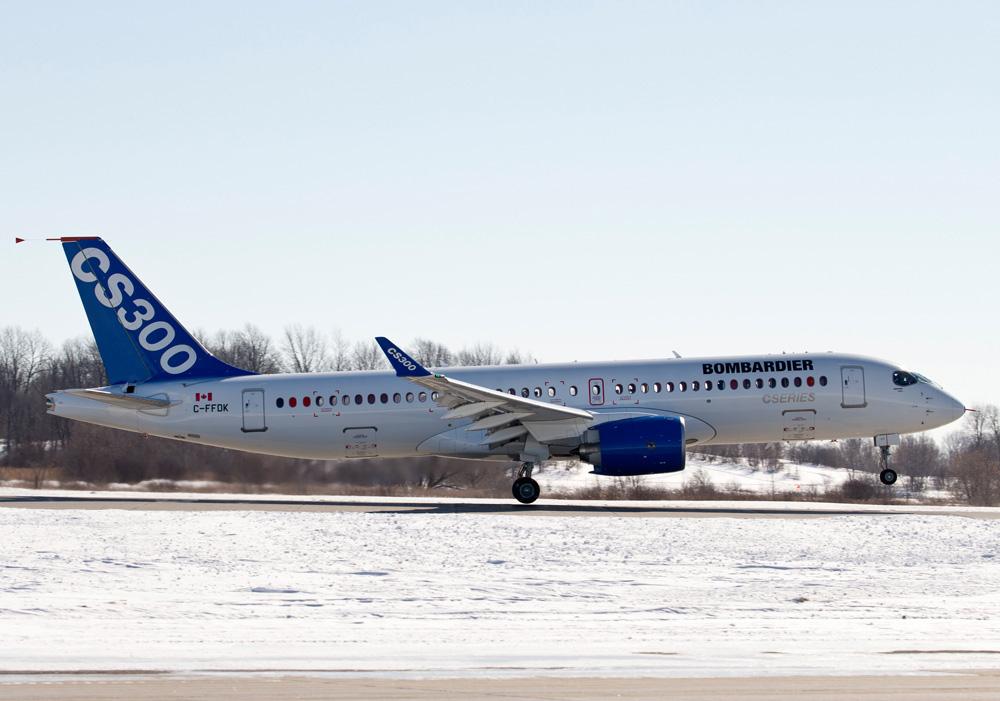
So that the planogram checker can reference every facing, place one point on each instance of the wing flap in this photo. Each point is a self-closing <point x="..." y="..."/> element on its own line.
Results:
<point x="492" y="410"/>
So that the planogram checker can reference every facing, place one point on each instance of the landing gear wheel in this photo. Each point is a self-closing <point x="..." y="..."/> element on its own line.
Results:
<point x="526" y="490"/>
<point x="888" y="476"/>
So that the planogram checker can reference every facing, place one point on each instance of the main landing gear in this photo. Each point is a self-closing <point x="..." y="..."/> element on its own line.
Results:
<point x="525" y="489"/>
<point x="887" y="476"/>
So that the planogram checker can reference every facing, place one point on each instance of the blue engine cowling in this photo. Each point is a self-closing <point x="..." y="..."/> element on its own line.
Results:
<point x="644" y="445"/>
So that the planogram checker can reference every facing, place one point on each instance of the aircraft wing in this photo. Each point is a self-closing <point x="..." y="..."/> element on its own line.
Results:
<point x="503" y="416"/>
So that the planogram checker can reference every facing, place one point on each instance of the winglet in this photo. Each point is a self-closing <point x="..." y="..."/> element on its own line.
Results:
<point x="404" y="365"/>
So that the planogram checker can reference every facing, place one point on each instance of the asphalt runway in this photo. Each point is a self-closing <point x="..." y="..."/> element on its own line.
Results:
<point x="544" y="507"/>
<point x="970" y="686"/>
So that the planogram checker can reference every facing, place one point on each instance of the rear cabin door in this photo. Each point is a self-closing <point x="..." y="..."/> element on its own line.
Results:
<point x="852" y="383"/>
<point x="253" y="411"/>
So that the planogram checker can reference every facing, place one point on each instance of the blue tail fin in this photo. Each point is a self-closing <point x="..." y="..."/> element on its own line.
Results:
<point x="139" y="340"/>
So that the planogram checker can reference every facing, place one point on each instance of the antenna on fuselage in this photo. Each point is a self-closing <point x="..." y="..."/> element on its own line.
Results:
<point x="676" y="354"/>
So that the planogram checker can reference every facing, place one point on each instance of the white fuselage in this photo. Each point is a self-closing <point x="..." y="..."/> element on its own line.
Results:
<point x="832" y="396"/>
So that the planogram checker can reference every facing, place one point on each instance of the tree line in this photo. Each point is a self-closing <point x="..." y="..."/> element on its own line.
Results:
<point x="968" y="462"/>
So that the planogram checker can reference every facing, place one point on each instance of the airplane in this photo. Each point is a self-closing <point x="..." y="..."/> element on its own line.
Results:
<point x="623" y="418"/>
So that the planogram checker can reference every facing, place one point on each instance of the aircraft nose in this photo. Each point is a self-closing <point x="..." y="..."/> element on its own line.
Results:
<point x="951" y="408"/>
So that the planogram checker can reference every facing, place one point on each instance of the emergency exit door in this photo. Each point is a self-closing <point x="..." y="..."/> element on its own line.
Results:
<point x="852" y="384"/>
<point x="253" y="411"/>
<point x="595" y="388"/>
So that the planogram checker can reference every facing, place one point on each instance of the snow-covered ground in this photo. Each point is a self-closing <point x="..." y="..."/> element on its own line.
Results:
<point x="729" y="476"/>
<point x="561" y="477"/>
<point x="491" y="594"/>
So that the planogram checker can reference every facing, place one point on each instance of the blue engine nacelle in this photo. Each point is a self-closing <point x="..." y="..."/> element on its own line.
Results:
<point x="644" y="445"/>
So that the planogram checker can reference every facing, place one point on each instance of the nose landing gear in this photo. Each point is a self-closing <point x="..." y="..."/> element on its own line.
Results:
<point x="887" y="475"/>
<point x="525" y="489"/>
<point x="884" y="443"/>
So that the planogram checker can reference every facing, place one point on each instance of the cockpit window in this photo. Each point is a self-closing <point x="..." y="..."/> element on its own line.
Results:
<point x="925" y="380"/>
<point x="903" y="379"/>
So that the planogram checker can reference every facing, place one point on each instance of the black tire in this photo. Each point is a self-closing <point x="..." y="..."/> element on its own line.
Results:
<point x="888" y="477"/>
<point x="526" y="490"/>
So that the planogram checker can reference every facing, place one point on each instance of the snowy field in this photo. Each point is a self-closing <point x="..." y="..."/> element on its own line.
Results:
<point x="418" y="594"/>
<point x="563" y="477"/>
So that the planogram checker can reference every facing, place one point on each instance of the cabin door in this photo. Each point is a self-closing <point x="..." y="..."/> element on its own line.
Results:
<point x="253" y="411"/>
<point x="852" y="384"/>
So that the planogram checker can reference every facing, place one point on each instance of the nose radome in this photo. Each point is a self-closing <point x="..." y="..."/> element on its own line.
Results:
<point x="951" y="408"/>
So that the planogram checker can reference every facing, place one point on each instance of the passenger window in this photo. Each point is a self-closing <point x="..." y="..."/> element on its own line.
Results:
<point x="511" y="390"/>
<point x="644" y="388"/>
<point x="798" y="381"/>
<point x="682" y="387"/>
<point x="538" y="391"/>
<point x="733" y="384"/>
<point x="656" y="387"/>
<point x="708" y="385"/>
<point x="306" y="401"/>
<point x="595" y="389"/>
<point x="279" y="402"/>
<point x="346" y="399"/>
<point x="631" y="388"/>
<point x="384" y="398"/>
<point x="434" y="396"/>
<point x="772" y="383"/>
<point x="784" y="381"/>
<point x="396" y="398"/>
<point x="525" y="392"/>
<point x="333" y="400"/>
<point x="619" y="389"/>
<point x="572" y="390"/>
<point x="409" y="397"/>
<point x="319" y="401"/>
<point x="292" y="402"/>
<point x="822" y="380"/>
<point x="759" y="382"/>
<point x="746" y="383"/>
<point x="552" y="391"/>
<point x="358" y="399"/>
<point x="669" y="386"/>
<point x="422" y="396"/>
<point x="371" y="398"/>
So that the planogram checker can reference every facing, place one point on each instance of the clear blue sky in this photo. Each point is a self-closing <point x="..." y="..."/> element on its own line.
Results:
<point x="580" y="180"/>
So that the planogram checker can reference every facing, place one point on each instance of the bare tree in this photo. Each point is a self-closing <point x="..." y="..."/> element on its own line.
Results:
<point x="249" y="348"/>
<point x="977" y="476"/>
<point x="480" y="354"/>
<point x="24" y="355"/>
<point x="366" y="355"/>
<point x="340" y="353"/>
<point x="432" y="354"/>
<point x="305" y="350"/>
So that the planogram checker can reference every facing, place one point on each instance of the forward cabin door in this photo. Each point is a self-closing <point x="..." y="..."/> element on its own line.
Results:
<point x="852" y="383"/>
<point x="253" y="411"/>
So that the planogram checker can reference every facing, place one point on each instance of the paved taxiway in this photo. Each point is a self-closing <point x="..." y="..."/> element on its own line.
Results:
<point x="673" y="509"/>
<point x="968" y="686"/>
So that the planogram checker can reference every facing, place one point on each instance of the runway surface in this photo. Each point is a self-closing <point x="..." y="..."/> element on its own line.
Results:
<point x="972" y="686"/>
<point x="545" y="507"/>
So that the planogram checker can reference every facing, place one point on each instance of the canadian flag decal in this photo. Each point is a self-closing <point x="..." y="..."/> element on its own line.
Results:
<point x="200" y="397"/>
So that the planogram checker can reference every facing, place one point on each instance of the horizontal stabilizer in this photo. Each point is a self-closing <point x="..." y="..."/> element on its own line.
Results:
<point x="125" y="401"/>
